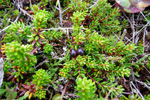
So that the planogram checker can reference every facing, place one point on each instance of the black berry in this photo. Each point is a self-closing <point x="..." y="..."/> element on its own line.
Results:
<point x="73" y="53"/>
<point x="80" y="51"/>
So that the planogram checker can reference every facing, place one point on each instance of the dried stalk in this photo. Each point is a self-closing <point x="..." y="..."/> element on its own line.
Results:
<point x="1" y="71"/>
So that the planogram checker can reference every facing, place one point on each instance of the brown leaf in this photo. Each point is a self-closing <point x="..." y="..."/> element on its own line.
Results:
<point x="26" y="86"/>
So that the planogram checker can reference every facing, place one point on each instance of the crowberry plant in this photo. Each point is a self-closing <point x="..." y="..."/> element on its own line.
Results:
<point x="86" y="58"/>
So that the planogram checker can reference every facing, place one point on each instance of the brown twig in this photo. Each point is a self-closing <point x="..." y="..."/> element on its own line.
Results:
<point x="64" y="90"/>
<point x="41" y="63"/>
<point x="25" y="12"/>
<point x="8" y="5"/>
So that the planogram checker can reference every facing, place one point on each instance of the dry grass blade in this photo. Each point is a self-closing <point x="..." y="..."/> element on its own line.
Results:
<point x="1" y="71"/>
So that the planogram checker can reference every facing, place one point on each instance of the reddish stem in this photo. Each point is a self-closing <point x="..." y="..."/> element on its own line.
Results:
<point x="8" y="5"/>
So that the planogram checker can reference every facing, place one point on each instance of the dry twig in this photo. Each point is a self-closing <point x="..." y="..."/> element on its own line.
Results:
<point x="138" y="92"/>
<point x="142" y="83"/>
<point x="1" y="71"/>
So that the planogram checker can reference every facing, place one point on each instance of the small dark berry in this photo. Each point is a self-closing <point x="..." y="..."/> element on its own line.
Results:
<point x="73" y="53"/>
<point x="80" y="51"/>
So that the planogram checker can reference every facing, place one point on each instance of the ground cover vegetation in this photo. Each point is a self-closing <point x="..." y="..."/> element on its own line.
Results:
<point x="74" y="50"/>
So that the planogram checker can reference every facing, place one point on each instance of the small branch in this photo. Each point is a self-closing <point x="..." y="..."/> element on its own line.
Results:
<point x="144" y="16"/>
<point x="95" y="4"/>
<point x="30" y="3"/>
<point x="138" y="32"/>
<point x="142" y="83"/>
<point x="9" y="25"/>
<point x="4" y="30"/>
<point x="137" y="90"/>
<point x="61" y="28"/>
<point x="41" y="63"/>
<point x="132" y="27"/>
<point x="106" y="98"/>
<point x="64" y="90"/>
<point x="8" y="5"/>
<point x="145" y="31"/>
<point x="1" y="70"/>
<point x="60" y="13"/>
<point x="25" y="12"/>
<point x="94" y="80"/>
<point x="65" y="10"/>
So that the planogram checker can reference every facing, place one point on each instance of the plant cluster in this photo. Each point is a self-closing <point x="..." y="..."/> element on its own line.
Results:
<point x="90" y="60"/>
<point x="20" y="58"/>
<point x="86" y="88"/>
<point x="40" y="79"/>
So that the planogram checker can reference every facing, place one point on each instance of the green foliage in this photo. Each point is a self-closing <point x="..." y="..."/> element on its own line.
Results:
<point x="43" y="3"/>
<point x="86" y="88"/>
<point x="40" y="94"/>
<point x="7" y="66"/>
<point x="106" y="60"/>
<point x="51" y="35"/>
<point x="104" y="18"/>
<point x="148" y="64"/>
<point x="101" y="17"/>
<point x="2" y="91"/>
<point x="113" y="88"/>
<point x="134" y="97"/>
<point x="23" y="97"/>
<point x="78" y="5"/>
<point x="16" y="12"/>
<point x="13" y="28"/>
<point x="104" y="55"/>
<point x="147" y="97"/>
<point x="48" y="48"/>
<point x="10" y="93"/>
<point x="77" y="18"/>
<point x="41" y="18"/>
<point x="41" y="78"/>
<point x="5" y="19"/>
<point x="6" y="3"/>
<point x="34" y="38"/>
<point x="140" y="49"/>
<point x="95" y="48"/>
<point x="20" y="56"/>
<point x="17" y="31"/>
